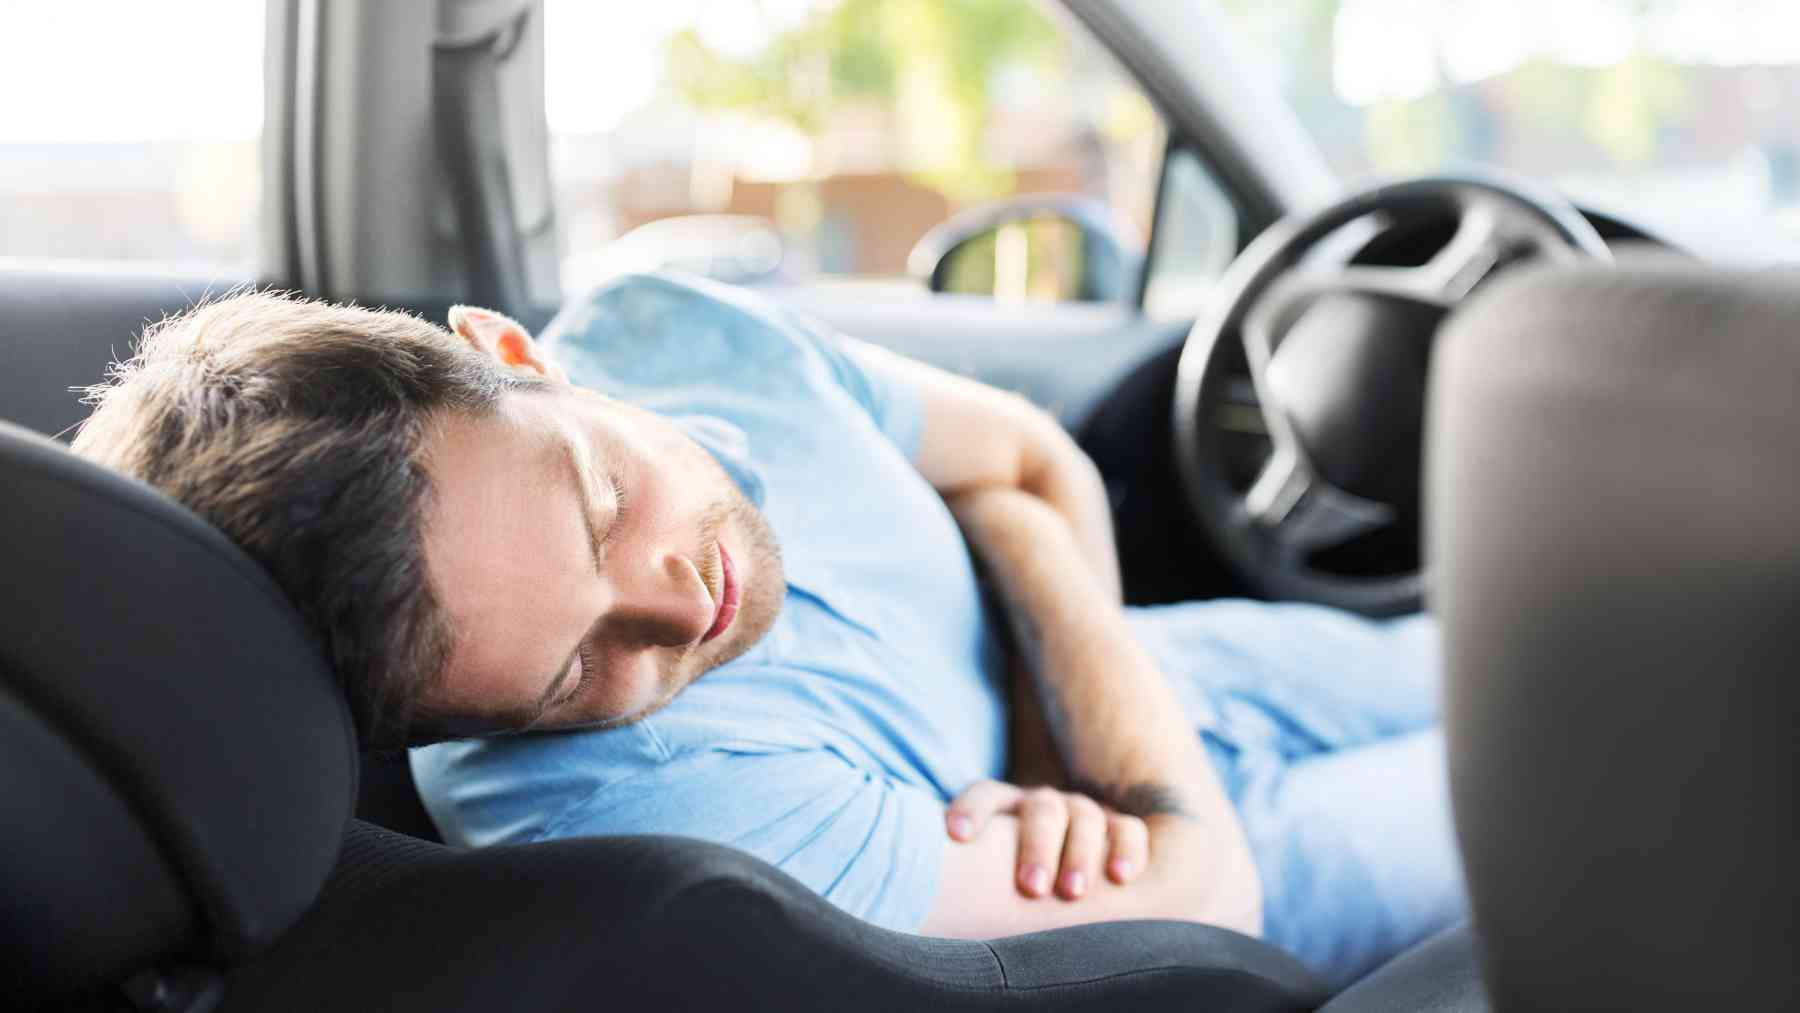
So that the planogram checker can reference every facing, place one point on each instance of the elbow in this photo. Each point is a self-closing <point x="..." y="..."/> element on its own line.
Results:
<point x="1234" y="903"/>
<point x="1218" y="884"/>
<point x="1042" y="439"/>
<point x="1055" y="466"/>
<point x="1238" y="907"/>
<point x="1235" y="899"/>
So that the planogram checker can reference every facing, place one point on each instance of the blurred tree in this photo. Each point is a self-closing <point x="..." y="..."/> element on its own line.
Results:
<point x="1412" y="135"/>
<point x="929" y="64"/>
<point x="1633" y="103"/>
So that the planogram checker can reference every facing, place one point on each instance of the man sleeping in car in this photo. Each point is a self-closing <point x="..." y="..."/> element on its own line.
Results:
<point x="688" y="564"/>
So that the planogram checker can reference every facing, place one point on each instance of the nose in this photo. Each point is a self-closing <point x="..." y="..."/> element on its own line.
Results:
<point x="664" y="603"/>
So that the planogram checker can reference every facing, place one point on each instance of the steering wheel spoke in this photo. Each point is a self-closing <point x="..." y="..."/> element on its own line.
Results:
<point x="1478" y="245"/>
<point x="1272" y="533"/>
<point x="1299" y="513"/>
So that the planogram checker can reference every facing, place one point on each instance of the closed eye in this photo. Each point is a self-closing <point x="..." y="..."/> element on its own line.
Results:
<point x="585" y="659"/>
<point x="619" y="504"/>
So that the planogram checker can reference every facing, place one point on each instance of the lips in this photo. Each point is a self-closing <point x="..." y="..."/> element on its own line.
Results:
<point x="728" y="596"/>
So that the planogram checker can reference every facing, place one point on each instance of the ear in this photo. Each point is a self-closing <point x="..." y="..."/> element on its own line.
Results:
<point x="504" y="339"/>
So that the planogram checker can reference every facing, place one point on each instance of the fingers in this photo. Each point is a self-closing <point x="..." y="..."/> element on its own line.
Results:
<point x="1083" y="847"/>
<point x="1067" y="841"/>
<point x="1043" y="824"/>
<point x="1128" y="847"/>
<point x="969" y="813"/>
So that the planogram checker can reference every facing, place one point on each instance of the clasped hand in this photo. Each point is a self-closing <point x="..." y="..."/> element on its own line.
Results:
<point x="1064" y="837"/>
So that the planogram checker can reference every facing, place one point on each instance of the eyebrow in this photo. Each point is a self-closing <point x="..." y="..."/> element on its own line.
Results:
<point x="584" y="493"/>
<point x="571" y="457"/>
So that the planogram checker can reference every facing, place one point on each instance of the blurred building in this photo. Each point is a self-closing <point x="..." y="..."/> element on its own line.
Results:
<point x="838" y="198"/>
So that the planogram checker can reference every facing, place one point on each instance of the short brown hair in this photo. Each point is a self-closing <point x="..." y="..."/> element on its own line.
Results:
<point x="297" y="428"/>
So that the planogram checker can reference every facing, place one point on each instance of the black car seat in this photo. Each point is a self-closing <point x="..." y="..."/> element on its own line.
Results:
<point x="63" y="323"/>
<point x="1614" y="487"/>
<point x="177" y="771"/>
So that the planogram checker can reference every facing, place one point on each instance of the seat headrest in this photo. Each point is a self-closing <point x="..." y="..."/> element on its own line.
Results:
<point x="1614" y="523"/>
<point x="178" y="761"/>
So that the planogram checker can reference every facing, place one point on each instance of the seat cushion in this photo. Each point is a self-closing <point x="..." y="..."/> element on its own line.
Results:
<point x="655" y="923"/>
<point x="1439" y="975"/>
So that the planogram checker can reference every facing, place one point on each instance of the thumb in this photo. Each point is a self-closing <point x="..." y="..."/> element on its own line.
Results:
<point x="970" y="812"/>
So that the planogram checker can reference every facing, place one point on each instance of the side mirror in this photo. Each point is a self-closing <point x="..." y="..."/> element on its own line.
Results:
<point x="1037" y="248"/>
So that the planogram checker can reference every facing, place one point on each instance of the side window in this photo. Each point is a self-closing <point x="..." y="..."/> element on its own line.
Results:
<point x="131" y="132"/>
<point x="1196" y="237"/>
<point x="782" y="141"/>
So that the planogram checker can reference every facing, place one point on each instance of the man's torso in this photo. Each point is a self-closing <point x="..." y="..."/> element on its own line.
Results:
<point x="882" y="655"/>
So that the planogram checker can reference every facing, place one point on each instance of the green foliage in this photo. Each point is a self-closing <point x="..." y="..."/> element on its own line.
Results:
<point x="929" y="64"/>
<point x="1632" y="103"/>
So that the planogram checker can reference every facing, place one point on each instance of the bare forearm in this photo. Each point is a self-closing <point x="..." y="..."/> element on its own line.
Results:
<point x="1117" y="723"/>
<point x="1113" y="716"/>
<point x="1031" y="755"/>
<point x="1063" y="477"/>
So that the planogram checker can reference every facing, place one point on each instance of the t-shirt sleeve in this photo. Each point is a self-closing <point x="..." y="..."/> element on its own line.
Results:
<point x="867" y="372"/>
<point x="867" y="844"/>
<point x="620" y="337"/>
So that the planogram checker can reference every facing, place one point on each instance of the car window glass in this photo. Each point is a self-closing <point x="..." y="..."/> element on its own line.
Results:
<point x="1679" y="113"/>
<point x="791" y="139"/>
<point x="1196" y="236"/>
<point x="131" y="132"/>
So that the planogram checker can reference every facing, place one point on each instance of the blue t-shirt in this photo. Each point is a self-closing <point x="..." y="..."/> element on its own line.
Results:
<point x="830" y="748"/>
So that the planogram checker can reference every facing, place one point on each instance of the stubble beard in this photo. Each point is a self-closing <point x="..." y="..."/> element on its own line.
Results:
<point x="762" y="583"/>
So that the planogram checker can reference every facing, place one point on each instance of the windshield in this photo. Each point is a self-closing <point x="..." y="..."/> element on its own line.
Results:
<point x="1673" y="112"/>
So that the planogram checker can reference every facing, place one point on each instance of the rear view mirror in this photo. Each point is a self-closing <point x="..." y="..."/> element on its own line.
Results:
<point x="1039" y="248"/>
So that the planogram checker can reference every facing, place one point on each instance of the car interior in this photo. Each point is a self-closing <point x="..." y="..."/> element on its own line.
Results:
<point x="1568" y="436"/>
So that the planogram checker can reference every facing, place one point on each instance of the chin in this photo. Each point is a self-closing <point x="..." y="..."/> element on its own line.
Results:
<point x="632" y="715"/>
<point x="665" y="695"/>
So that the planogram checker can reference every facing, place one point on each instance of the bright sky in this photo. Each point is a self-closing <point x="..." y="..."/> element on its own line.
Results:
<point x="602" y="60"/>
<point x="125" y="70"/>
<point x="130" y="70"/>
<point x="1390" y="49"/>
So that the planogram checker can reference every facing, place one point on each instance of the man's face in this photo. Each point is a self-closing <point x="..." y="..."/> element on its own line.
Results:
<point x="593" y="560"/>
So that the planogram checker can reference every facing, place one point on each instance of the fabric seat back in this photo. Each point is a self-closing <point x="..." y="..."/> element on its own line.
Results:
<point x="177" y="764"/>
<point x="1614" y="482"/>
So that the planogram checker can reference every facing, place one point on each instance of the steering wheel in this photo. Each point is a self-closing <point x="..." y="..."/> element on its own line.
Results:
<point x="1337" y="355"/>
